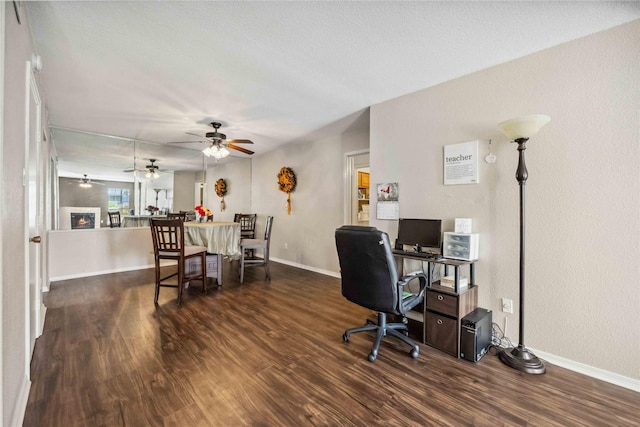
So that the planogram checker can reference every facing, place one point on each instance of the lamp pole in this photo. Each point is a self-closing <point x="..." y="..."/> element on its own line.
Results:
<point x="520" y="357"/>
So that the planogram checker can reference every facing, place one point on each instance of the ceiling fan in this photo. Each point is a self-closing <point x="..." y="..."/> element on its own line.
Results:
<point x="86" y="182"/>
<point x="151" y="169"/>
<point x="219" y="144"/>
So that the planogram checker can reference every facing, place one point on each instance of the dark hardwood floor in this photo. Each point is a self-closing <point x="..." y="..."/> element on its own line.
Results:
<point x="271" y="354"/>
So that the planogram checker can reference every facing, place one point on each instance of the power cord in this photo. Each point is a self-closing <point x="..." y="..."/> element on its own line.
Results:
<point x="498" y="338"/>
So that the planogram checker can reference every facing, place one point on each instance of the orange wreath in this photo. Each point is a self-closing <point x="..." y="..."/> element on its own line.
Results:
<point x="287" y="183"/>
<point x="221" y="190"/>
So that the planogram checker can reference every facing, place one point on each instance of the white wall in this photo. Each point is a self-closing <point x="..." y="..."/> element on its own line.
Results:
<point x="18" y="48"/>
<point x="583" y="222"/>
<point x="81" y="253"/>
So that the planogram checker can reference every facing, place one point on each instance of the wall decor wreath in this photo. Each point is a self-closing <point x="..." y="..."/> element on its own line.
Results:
<point x="221" y="190"/>
<point x="287" y="183"/>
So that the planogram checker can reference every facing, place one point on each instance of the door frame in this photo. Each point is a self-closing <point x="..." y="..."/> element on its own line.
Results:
<point x="349" y="178"/>
<point x="33" y="294"/>
<point x="2" y="49"/>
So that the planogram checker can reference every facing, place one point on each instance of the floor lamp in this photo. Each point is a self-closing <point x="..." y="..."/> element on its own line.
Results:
<point x="519" y="130"/>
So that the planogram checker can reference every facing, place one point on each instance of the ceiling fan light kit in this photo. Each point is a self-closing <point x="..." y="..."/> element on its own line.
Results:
<point x="86" y="182"/>
<point x="216" y="151"/>
<point x="219" y="145"/>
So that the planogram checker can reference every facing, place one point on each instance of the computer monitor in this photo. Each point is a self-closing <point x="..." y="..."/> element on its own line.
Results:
<point x="424" y="235"/>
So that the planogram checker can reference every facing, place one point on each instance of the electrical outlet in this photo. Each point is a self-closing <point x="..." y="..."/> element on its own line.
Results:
<point x="286" y="246"/>
<point x="507" y="306"/>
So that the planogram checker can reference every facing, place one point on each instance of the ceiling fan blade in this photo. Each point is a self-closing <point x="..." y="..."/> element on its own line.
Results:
<point x="238" y="148"/>
<point x="134" y="170"/>
<point x="194" y="134"/>
<point x="239" y="141"/>
<point x="186" y="142"/>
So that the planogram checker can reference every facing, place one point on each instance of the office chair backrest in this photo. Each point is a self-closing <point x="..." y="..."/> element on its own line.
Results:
<point x="368" y="268"/>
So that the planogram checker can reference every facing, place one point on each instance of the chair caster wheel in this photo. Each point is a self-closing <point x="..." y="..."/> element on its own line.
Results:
<point x="372" y="357"/>
<point x="345" y="338"/>
<point x="415" y="352"/>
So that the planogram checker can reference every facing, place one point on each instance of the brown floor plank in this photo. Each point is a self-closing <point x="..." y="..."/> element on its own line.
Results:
<point x="271" y="353"/>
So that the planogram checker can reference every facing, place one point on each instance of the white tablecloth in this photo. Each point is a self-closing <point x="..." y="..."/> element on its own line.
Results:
<point x="219" y="237"/>
<point x="138" y="220"/>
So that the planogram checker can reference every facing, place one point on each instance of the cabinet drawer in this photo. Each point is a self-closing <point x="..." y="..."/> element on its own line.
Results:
<point x="462" y="239"/>
<point x="442" y="303"/>
<point x="460" y="246"/>
<point x="442" y="332"/>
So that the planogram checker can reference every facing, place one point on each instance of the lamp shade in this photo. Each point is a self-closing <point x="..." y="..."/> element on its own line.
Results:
<point x="523" y="127"/>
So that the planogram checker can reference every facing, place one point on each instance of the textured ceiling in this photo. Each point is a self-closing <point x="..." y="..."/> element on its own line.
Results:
<point x="276" y="72"/>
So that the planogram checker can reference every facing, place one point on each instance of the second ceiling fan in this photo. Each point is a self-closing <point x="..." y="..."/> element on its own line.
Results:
<point x="219" y="144"/>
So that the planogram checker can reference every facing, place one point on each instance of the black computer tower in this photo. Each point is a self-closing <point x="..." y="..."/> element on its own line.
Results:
<point x="475" y="334"/>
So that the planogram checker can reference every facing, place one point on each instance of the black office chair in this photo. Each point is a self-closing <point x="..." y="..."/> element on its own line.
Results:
<point x="370" y="279"/>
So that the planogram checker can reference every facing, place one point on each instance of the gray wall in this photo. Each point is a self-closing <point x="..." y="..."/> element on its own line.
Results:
<point x="71" y="194"/>
<point x="306" y="237"/>
<point x="583" y="191"/>
<point x="237" y="175"/>
<point x="184" y="184"/>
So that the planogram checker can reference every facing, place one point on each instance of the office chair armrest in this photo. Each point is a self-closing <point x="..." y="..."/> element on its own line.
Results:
<point x="405" y="280"/>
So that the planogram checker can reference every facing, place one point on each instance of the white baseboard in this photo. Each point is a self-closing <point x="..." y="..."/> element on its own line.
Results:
<point x="305" y="267"/>
<point x="98" y="273"/>
<point x="590" y="371"/>
<point x="21" y="402"/>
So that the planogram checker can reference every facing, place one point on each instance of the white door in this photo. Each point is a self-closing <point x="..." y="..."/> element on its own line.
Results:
<point x="33" y="219"/>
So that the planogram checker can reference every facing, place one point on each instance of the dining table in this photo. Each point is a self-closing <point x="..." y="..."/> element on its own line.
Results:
<point x="222" y="240"/>
<point x="139" y="220"/>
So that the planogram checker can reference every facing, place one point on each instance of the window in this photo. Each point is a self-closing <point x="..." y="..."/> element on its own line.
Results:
<point x="118" y="200"/>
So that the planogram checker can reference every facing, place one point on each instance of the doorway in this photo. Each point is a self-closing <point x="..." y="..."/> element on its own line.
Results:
<point x="357" y="188"/>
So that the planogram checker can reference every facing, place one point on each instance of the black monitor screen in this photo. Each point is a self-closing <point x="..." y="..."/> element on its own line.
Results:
<point x="423" y="233"/>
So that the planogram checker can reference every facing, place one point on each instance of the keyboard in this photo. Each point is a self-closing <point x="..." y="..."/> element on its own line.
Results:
<point x="425" y="255"/>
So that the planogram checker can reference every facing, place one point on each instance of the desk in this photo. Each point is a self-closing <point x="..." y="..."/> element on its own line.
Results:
<point x="138" y="220"/>
<point x="443" y="309"/>
<point x="220" y="238"/>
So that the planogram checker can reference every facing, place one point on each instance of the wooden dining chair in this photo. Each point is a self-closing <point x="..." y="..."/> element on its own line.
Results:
<point x="168" y="244"/>
<point x="256" y="245"/>
<point x="177" y="215"/>
<point x="247" y="225"/>
<point x="114" y="219"/>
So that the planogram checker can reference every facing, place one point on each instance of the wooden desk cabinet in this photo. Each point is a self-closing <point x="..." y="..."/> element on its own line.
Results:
<point x="443" y="312"/>
<point x="438" y="319"/>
